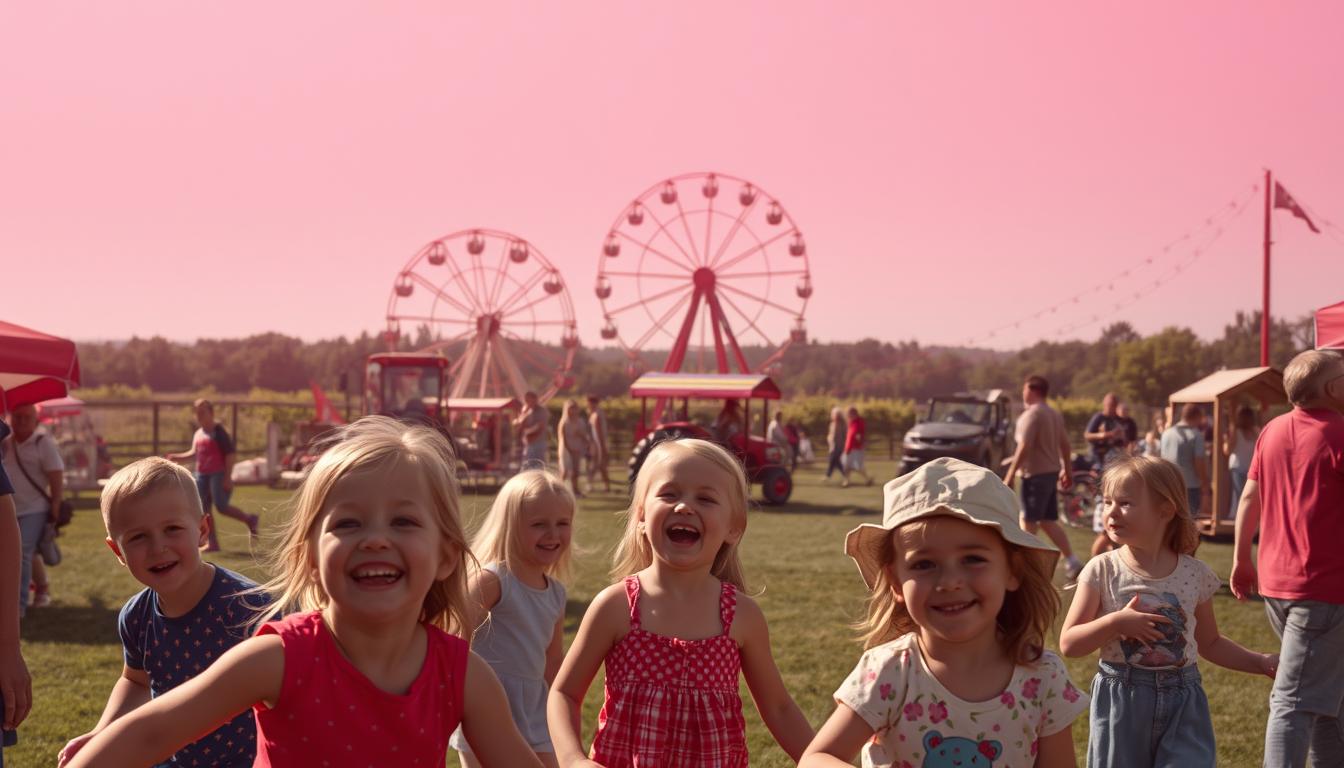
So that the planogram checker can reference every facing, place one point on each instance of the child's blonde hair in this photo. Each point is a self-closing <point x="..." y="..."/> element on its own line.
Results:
<point x="633" y="553"/>
<point x="1165" y="485"/>
<point x="1026" y="616"/>
<point x="143" y="478"/>
<point x="497" y="539"/>
<point x="373" y="442"/>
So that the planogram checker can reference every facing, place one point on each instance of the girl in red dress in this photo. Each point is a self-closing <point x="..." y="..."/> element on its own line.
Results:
<point x="364" y="673"/>
<point x="676" y="630"/>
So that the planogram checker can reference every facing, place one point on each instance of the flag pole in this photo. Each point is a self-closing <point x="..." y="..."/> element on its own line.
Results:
<point x="1264" y="316"/>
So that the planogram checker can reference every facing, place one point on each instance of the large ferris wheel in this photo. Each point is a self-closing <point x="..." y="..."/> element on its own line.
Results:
<point x="495" y="306"/>
<point x="709" y="263"/>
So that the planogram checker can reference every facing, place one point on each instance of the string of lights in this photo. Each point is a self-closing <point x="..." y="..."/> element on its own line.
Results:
<point x="1197" y="240"/>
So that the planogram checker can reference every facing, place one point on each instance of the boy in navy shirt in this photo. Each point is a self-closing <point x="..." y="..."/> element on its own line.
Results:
<point x="188" y="615"/>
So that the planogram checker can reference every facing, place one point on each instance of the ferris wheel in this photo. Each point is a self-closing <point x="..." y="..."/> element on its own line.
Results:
<point x="709" y="263"/>
<point x="495" y="306"/>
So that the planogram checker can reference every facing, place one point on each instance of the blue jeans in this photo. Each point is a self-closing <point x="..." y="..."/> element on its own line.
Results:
<point x="1149" y="717"/>
<point x="534" y="455"/>
<point x="1238" y="477"/>
<point x="834" y="462"/>
<point x="1307" y="702"/>
<point x="1194" y="496"/>
<point x="30" y="532"/>
<point x="211" y="488"/>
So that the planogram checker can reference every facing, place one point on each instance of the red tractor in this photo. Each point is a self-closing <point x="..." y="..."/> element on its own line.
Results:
<point x="762" y="459"/>
<point x="412" y="386"/>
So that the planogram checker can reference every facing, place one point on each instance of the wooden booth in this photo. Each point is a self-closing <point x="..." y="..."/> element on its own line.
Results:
<point x="1221" y="393"/>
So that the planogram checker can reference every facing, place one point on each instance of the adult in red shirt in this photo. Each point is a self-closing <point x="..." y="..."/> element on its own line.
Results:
<point x="1294" y="497"/>
<point x="855" y="434"/>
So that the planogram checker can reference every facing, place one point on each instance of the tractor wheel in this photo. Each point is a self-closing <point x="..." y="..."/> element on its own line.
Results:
<point x="776" y="485"/>
<point x="641" y="450"/>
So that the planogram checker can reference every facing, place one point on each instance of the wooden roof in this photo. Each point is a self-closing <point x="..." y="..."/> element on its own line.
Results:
<point x="1265" y="384"/>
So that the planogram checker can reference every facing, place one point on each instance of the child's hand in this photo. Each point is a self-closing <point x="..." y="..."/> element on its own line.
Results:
<point x="1134" y="624"/>
<point x="1269" y="664"/>
<point x="71" y="749"/>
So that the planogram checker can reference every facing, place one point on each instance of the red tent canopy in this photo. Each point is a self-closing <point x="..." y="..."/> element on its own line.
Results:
<point x="34" y="366"/>
<point x="1330" y="327"/>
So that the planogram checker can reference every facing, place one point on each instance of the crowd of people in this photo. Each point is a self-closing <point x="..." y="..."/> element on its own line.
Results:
<point x="386" y="635"/>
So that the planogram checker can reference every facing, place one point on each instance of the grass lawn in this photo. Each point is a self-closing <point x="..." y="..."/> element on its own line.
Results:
<point x="793" y="556"/>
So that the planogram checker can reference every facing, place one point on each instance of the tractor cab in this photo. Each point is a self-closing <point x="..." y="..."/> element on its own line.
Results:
<point x="407" y="385"/>
<point x="670" y="419"/>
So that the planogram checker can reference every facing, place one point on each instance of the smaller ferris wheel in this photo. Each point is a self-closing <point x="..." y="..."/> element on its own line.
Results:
<point x="495" y="306"/>
<point x="707" y="263"/>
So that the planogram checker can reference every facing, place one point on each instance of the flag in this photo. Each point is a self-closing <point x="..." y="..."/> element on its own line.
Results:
<point x="326" y="413"/>
<point x="1284" y="200"/>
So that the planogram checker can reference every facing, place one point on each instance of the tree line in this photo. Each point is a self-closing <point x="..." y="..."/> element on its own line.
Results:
<point x="1142" y="369"/>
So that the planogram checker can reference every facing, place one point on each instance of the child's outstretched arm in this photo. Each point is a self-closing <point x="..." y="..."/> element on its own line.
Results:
<point x="1056" y="750"/>
<point x="250" y="672"/>
<point x="1224" y="651"/>
<point x="606" y="621"/>
<point x="1084" y="632"/>
<point x="130" y="692"/>
<point x="487" y="723"/>
<point x="839" y="740"/>
<point x="778" y="710"/>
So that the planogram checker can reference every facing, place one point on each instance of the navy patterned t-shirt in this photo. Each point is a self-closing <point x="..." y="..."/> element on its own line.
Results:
<point x="173" y="650"/>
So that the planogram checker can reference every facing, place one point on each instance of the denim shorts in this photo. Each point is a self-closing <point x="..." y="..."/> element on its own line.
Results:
<point x="1149" y="717"/>
<point x="211" y="488"/>
<point x="1040" y="499"/>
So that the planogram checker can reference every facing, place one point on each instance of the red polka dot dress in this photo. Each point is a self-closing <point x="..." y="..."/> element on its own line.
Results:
<point x="672" y="703"/>
<point x="329" y="715"/>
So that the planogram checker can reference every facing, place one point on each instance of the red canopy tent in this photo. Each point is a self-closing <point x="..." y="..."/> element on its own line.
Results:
<point x="1330" y="327"/>
<point x="34" y="366"/>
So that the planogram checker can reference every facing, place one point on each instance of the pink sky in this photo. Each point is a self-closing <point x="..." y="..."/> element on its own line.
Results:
<point x="220" y="170"/>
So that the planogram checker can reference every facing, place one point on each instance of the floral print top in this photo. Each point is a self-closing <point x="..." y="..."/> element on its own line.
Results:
<point x="917" y="723"/>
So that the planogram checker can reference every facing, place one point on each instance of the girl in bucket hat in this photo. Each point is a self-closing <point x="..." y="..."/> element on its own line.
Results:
<point x="955" y="670"/>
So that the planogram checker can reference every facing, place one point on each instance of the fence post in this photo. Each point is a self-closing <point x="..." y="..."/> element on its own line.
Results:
<point x="156" y="429"/>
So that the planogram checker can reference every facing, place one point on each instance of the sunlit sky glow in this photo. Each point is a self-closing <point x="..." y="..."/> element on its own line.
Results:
<point x="213" y="170"/>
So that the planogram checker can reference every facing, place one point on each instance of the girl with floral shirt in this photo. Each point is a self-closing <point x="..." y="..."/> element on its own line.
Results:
<point x="955" y="672"/>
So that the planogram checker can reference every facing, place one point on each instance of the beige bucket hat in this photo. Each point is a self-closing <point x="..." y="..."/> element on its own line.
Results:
<point x="945" y="487"/>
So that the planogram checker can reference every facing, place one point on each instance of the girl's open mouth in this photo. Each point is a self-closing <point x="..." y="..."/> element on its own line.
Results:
<point x="682" y="534"/>
<point x="377" y="575"/>
<point x="953" y="608"/>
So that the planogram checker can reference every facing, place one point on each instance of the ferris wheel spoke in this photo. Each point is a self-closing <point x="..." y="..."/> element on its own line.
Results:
<point x="662" y="228"/>
<point x="458" y="278"/>
<point x="686" y="226"/>
<point x="660" y="322"/>
<point x="510" y="366"/>
<point x="782" y="273"/>
<point x="661" y="275"/>
<point x="534" y="354"/>
<point x="522" y="290"/>
<point x="766" y="302"/>
<point x="749" y="321"/>
<point x="417" y="277"/>
<point x="645" y="301"/>
<point x="500" y="273"/>
<point x="424" y="319"/>
<point x="758" y="247"/>
<point x="649" y="247"/>
<point x="529" y="305"/>
<point x="732" y="232"/>
<point x="709" y="227"/>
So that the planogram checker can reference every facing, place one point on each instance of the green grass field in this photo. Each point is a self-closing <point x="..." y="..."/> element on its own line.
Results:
<point x="793" y="556"/>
